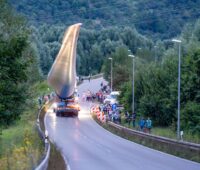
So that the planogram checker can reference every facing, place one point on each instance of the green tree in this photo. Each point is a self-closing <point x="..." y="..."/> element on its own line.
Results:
<point x="191" y="93"/>
<point x="15" y="64"/>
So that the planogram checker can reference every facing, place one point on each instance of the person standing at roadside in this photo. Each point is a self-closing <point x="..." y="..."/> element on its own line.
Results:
<point x="128" y="118"/>
<point x="102" y="85"/>
<point x="142" y="124"/>
<point x="39" y="102"/>
<point x="134" y="118"/>
<point x="149" y="125"/>
<point x="89" y="77"/>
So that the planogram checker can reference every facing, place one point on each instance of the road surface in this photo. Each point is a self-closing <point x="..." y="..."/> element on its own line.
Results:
<point x="87" y="146"/>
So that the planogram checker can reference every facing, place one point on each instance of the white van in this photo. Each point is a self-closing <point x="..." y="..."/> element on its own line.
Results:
<point x="112" y="98"/>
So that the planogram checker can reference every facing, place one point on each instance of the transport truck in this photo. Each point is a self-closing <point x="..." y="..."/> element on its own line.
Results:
<point x="62" y="76"/>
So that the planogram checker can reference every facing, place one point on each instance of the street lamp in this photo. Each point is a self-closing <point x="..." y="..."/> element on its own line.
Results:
<point x="155" y="53"/>
<point x="111" y="72"/>
<point x="133" y="84"/>
<point x="179" y="86"/>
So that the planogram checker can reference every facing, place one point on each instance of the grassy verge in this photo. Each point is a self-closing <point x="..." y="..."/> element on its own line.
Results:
<point x="21" y="148"/>
<point x="170" y="133"/>
<point x="165" y="132"/>
<point x="56" y="160"/>
<point x="20" y="145"/>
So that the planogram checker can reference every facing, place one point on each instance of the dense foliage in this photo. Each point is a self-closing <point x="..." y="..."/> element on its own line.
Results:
<point x="156" y="83"/>
<point x="17" y="63"/>
<point x="93" y="46"/>
<point x="151" y="17"/>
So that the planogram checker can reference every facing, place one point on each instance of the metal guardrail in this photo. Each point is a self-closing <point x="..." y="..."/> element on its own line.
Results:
<point x="43" y="165"/>
<point x="157" y="138"/>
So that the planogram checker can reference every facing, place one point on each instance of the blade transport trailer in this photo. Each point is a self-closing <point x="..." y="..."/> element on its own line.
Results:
<point x="62" y="76"/>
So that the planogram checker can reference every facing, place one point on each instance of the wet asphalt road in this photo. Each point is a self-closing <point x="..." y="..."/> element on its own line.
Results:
<point x="87" y="146"/>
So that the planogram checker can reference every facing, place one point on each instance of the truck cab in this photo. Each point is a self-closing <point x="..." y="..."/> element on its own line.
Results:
<point x="66" y="108"/>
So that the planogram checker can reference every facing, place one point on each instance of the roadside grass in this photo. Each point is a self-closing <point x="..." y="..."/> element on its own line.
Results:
<point x="170" y="133"/>
<point x="20" y="145"/>
<point x="165" y="132"/>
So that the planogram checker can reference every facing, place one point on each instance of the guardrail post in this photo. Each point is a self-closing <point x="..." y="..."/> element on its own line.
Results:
<point x="46" y="144"/>
<point x="44" y="135"/>
<point x="38" y="122"/>
<point x="46" y="140"/>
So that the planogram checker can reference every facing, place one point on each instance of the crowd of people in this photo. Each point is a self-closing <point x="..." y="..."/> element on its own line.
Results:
<point x="115" y="113"/>
<point x="89" y="96"/>
<point x="45" y="98"/>
<point x="99" y="96"/>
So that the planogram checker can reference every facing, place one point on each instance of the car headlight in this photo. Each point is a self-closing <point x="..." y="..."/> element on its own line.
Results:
<point x="76" y="98"/>
<point x="54" y="105"/>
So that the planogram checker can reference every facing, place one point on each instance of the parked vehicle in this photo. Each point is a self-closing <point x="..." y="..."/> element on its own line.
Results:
<point x="112" y="98"/>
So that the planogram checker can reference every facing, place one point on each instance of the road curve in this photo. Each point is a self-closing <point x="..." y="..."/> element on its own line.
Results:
<point x="87" y="146"/>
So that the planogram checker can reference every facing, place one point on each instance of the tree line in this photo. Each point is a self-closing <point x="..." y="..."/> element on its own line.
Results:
<point x="158" y="19"/>
<point x="92" y="49"/>
<point x="156" y="82"/>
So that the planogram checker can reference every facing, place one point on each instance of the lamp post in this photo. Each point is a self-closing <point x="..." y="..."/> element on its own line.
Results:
<point x="133" y="85"/>
<point x="155" y="53"/>
<point x="179" y="86"/>
<point x="111" y="73"/>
